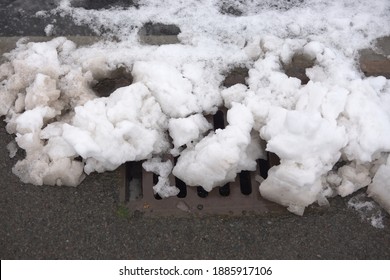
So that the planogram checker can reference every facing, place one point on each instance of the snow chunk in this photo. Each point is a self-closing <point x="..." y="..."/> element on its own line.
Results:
<point x="157" y="166"/>
<point x="164" y="189"/>
<point x="42" y="91"/>
<point x="185" y="130"/>
<point x="33" y="120"/>
<point x="218" y="157"/>
<point x="172" y="91"/>
<point x="127" y="126"/>
<point x="368" y="121"/>
<point x="39" y="170"/>
<point x="236" y="93"/>
<point x="379" y="189"/>
<point x="310" y="135"/>
<point x="353" y="179"/>
<point x="163" y="169"/>
<point x="308" y="146"/>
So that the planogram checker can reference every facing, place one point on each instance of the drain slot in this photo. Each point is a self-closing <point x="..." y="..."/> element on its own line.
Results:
<point x="219" y="120"/>
<point x="245" y="182"/>
<point x="133" y="190"/>
<point x="263" y="167"/>
<point x="201" y="192"/>
<point x="182" y="188"/>
<point x="180" y="184"/>
<point x="224" y="190"/>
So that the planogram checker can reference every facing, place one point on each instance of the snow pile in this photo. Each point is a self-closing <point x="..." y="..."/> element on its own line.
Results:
<point x="330" y="134"/>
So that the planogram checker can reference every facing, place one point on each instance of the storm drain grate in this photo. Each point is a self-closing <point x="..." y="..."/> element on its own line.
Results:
<point x="240" y="197"/>
<point x="235" y="198"/>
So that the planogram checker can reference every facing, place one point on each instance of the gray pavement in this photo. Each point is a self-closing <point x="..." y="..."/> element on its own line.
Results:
<point x="88" y="222"/>
<point x="42" y="222"/>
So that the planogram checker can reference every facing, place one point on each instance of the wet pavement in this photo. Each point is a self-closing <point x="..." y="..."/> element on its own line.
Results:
<point x="88" y="222"/>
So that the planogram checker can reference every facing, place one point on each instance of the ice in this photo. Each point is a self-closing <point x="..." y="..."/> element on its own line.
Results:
<point x="330" y="134"/>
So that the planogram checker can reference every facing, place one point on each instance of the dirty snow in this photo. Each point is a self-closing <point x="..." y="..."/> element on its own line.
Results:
<point x="368" y="210"/>
<point x="331" y="135"/>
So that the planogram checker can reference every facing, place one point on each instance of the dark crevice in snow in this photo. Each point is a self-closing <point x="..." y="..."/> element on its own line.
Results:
<point x="224" y="190"/>
<point x="231" y="10"/>
<point x="133" y="179"/>
<point x="273" y="159"/>
<point x="155" y="182"/>
<point x="182" y="188"/>
<point x="202" y="192"/>
<point x="180" y="185"/>
<point x="103" y="4"/>
<point x="118" y="78"/>
<point x="159" y="33"/>
<point x="219" y="120"/>
<point x="245" y="182"/>
<point x="237" y="75"/>
<point x="263" y="167"/>
<point x="249" y="7"/>
<point x="297" y="67"/>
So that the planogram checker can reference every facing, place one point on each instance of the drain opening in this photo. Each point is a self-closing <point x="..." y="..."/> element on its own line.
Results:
<point x="201" y="192"/>
<point x="182" y="188"/>
<point x="180" y="185"/>
<point x="263" y="167"/>
<point x="245" y="182"/>
<point x="133" y="190"/>
<point x="155" y="181"/>
<point x="224" y="190"/>
<point x="273" y="159"/>
<point x="219" y="120"/>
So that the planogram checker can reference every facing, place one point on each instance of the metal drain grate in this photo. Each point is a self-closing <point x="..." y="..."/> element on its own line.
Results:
<point x="235" y="198"/>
